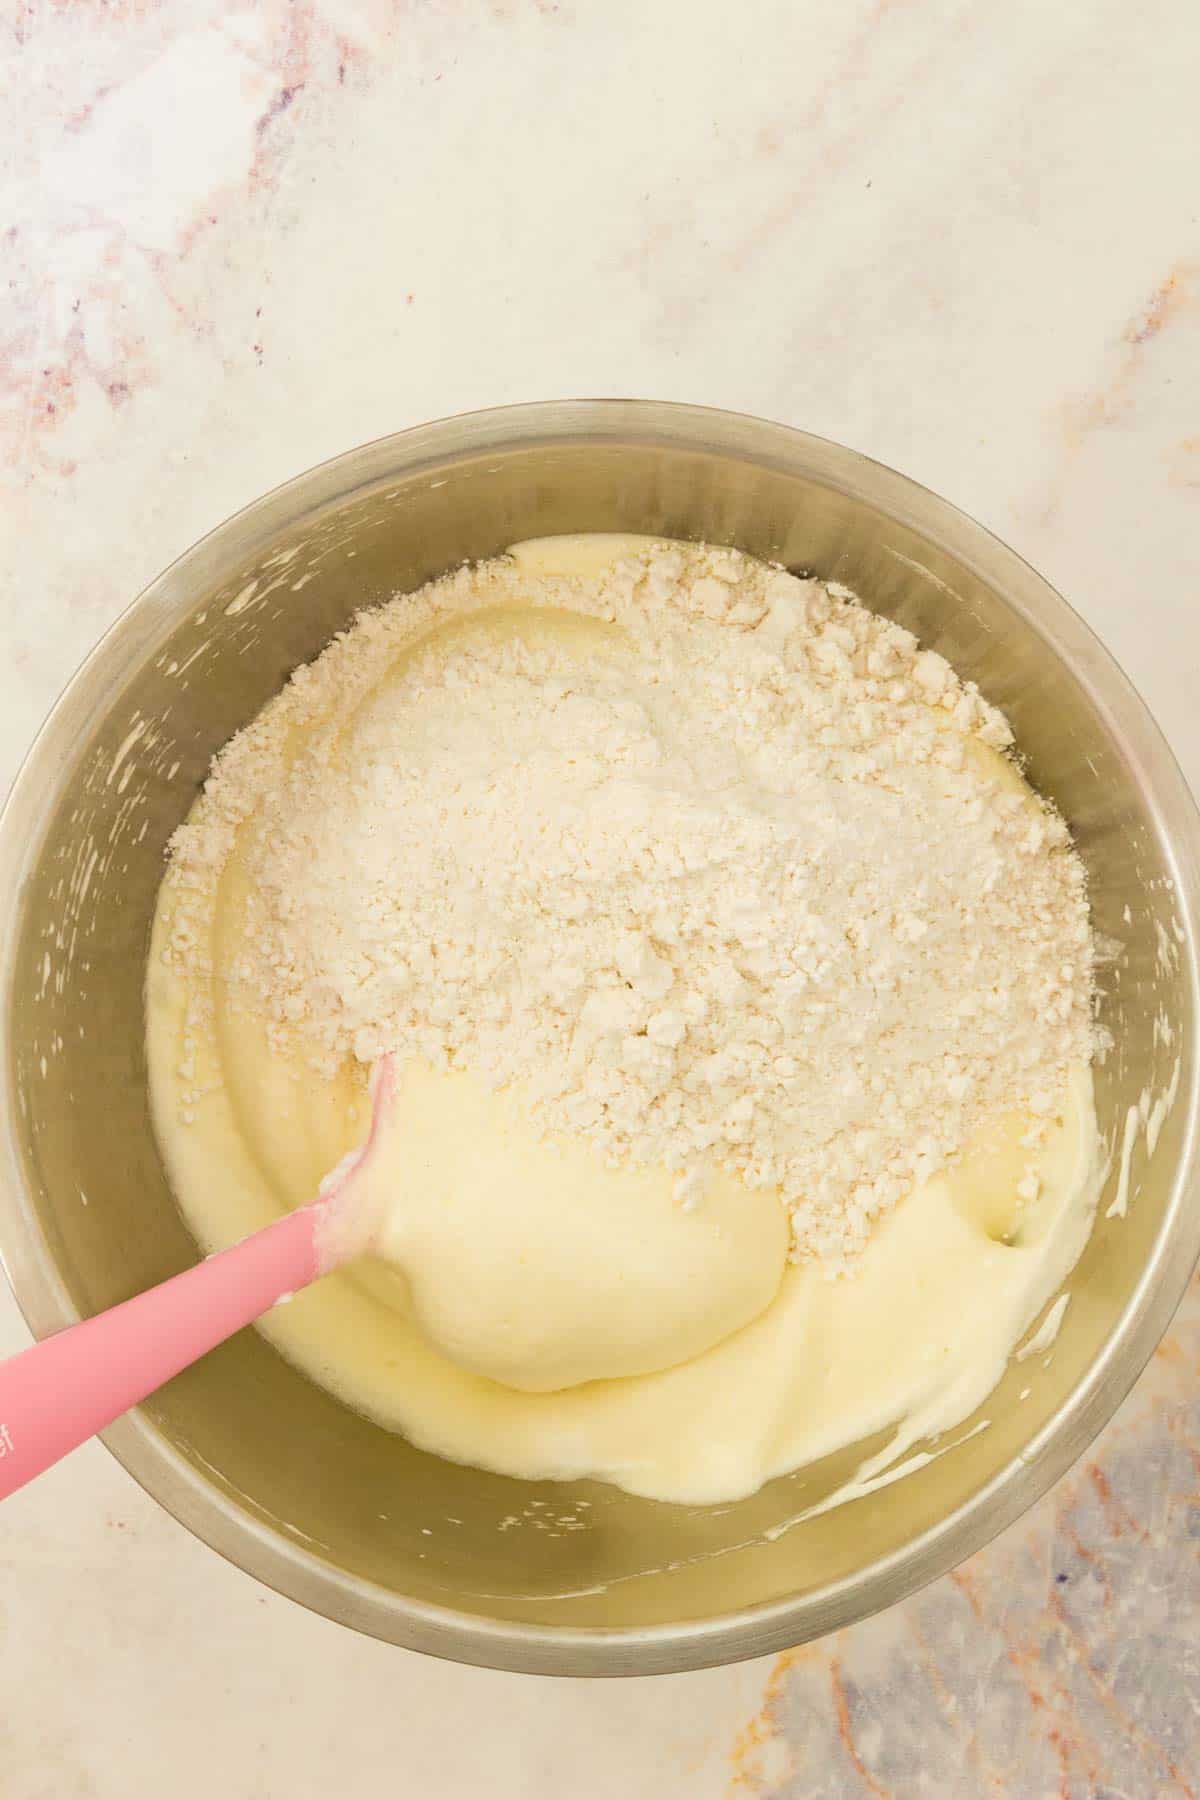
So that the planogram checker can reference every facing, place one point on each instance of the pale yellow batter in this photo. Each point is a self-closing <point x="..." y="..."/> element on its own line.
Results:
<point x="541" y="1314"/>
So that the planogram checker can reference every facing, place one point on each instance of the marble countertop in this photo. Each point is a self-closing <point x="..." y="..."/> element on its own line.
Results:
<point x="237" y="239"/>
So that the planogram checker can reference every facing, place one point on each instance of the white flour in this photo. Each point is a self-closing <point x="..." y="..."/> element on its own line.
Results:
<point x="742" y="880"/>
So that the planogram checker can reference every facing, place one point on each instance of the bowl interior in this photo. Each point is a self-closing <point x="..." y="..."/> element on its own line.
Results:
<point x="125" y="756"/>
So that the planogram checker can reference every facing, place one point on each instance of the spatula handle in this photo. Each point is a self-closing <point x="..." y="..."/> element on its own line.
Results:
<point x="71" y="1385"/>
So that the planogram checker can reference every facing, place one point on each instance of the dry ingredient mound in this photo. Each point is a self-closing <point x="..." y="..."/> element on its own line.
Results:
<point x="732" y="876"/>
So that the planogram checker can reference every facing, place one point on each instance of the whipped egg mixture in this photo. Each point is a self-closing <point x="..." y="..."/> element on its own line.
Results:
<point x="541" y="1307"/>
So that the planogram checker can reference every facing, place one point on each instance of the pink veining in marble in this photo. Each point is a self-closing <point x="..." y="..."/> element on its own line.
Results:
<point x="126" y="173"/>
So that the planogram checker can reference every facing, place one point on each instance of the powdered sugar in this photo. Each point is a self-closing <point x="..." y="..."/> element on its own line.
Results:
<point x="723" y="868"/>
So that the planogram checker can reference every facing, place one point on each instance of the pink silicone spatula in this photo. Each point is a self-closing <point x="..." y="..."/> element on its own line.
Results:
<point x="71" y="1385"/>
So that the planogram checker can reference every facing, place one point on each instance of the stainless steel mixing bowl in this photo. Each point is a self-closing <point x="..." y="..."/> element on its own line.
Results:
<point x="247" y="1453"/>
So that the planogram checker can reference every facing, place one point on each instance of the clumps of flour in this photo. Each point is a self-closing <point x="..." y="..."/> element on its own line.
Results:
<point x="715" y="863"/>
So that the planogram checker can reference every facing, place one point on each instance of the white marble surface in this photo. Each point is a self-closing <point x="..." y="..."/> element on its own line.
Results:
<point x="959" y="236"/>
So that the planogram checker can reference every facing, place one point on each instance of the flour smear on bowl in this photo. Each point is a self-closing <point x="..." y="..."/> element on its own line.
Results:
<point x="741" y="990"/>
